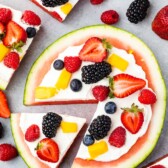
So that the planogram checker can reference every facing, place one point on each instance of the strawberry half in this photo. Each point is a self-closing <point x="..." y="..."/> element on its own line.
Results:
<point x="123" y="85"/>
<point x="15" y="36"/>
<point x="94" y="50"/>
<point x="2" y="30"/>
<point x="132" y="118"/>
<point x="47" y="149"/>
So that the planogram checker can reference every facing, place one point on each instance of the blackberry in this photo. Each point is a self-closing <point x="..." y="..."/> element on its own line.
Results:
<point x="95" y="72"/>
<point x="100" y="127"/>
<point x="53" y="3"/>
<point x="51" y="121"/>
<point x="137" y="10"/>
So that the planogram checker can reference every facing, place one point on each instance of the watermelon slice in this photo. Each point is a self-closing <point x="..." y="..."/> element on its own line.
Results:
<point x="64" y="137"/>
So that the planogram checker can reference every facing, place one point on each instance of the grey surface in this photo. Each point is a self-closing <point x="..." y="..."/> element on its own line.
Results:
<point x="83" y="14"/>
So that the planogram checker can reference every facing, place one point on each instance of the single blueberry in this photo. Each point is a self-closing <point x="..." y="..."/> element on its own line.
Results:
<point x="31" y="32"/>
<point x="58" y="64"/>
<point x="76" y="85"/>
<point x="88" y="140"/>
<point x="110" y="107"/>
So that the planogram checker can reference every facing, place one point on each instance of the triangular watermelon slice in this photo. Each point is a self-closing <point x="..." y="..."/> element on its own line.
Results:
<point x="65" y="136"/>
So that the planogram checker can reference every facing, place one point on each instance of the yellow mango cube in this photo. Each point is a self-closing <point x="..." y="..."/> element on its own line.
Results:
<point x="97" y="149"/>
<point x="118" y="62"/>
<point x="3" y="51"/>
<point x="69" y="127"/>
<point x="66" y="8"/>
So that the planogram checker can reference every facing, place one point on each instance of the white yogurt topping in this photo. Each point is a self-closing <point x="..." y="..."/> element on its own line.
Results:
<point x="64" y="140"/>
<point x="163" y="162"/>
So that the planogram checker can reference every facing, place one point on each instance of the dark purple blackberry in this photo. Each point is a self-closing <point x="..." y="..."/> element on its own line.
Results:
<point x="137" y="10"/>
<point x="95" y="72"/>
<point x="100" y="127"/>
<point x="1" y="130"/>
<point x="51" y="121"/>
<point x="53" y="3"/>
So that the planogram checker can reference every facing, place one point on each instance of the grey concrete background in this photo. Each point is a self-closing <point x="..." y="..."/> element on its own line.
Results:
<point x="83" y="14"/>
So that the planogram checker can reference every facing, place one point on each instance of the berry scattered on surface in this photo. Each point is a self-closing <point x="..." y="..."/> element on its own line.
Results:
<point x="12" y="60"/>
<point x="50" y="124"/>
<point x="58" y="64"/>
<point x="76" y="85"/>
<point x="7" y="152"/>
<point x="110" y="107"/>
<point x="96" y="2"/>
<point x="95" y="72"/>
<point x="117" y="137"/>
<point x="158" y="166"/>
<point x="72" y="64"/>
<point x="100" y="92"/>
<point x="53" y="3"/>
<point x="100" y="127"/>
<point x="31" y="32"/>
<point x="88" y="140"/>
<point x="5" y="15"/>
<point x="1" y="130"/>
<point x="137" y="10"/>
<point x="110" y="17"/>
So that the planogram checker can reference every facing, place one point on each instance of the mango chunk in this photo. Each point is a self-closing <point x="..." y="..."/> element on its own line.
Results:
<point x="63" y="80"/>
<point x="118" y="62"/>
<point x="3" y="51"/>
<point x="45" y="92"/>
<point x="97" y="149"/>
<point x="69" y="127"/>
<point x="66" y="8"/>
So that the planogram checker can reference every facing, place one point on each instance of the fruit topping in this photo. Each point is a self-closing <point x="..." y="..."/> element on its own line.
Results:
<point x="72" y="64"/>
<point x="45" y="92"/>
<point x="94" y="50"/>
<point x="1" y="130"/>
<point x="118" y="62"/>
<point x="4" y="112"/>
<point x="47" y="150"/>
<point x="96" y="2"/>
<point x="12" y="60"/>
<point x="117" y="137"/>
<point x="58" y="64"/>
<point x="50" y="124"/>
<point x="123" y="85"/>
<point x="110" y="107"/>
<point x="100" y="92"/>
<point x="31" y="32"/>
<point x="69" y="127"/>
<point x="110" y="17"/>
<point x="76" y="85"/>
<point x="2" y="30"/>
<point x="137" y="10"/>
<point x="66" y="8"/>
<point x="5" y="15"/>
<point x="97" y="149"/>
<point x="95" y="72"/>
<point x="63" y="80"/>
<point x="157" y="166"/>
<point x="15" y="36"/>
<point x="4" y="51"/>
<point x="32" y="133"/>
<point x="100" y="127"/>
<point x="147" y="97"/>
<point x="53" y="3"/>
<point x="7" y="152"/>
<point x="160" y="23"/>
<point x="132" y="118"/>
<point x="88" y="140"/>
<point x="31" y="18"/>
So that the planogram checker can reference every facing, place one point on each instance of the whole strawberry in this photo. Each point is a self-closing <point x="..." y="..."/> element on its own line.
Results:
<point x="5" y="15"/>
<point x="12" y="60"/>
<point x="110" y="17"/>
<point x="7" y="152"/>
<point x="160" y="23"/>
<point x="96" y="2"/>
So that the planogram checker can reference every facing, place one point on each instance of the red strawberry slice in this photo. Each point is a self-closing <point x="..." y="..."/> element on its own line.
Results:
<point x="5" y="15"/>
<point x="132" y="118"/>
<point x="47" y="149"/>
<point x="2" y="28"/>
<point x="15" y="36"/>
<point x="124" y="85"/>
<point x="94" y="50"/>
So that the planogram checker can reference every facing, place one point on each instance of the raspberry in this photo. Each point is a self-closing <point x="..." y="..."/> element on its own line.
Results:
<point x="12" y="60"/>
<point x="96" y="2"/>
<point x="72" y="64"/>
<point x="109" y="17"/>
<point x="31" y="18"/>
<point x="5" y="15"/>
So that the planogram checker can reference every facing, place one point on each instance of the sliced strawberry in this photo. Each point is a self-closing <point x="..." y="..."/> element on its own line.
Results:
<point x="2" y="30"/>
<point x="47" y="149"/>
<point x="132" y="118"/>
<point x="124" y="85"/>
<point x="94" y="50"/>
<point x="15" y="36"/>
<point x="5" y="15"/>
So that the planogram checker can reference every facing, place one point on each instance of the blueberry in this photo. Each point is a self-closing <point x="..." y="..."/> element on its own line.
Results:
<point x="31" y="32"/>
<point x="110" y="107"/>
<point x="58" y="64"/>
<point x="76" y="85"/>
<point x="88" y="140"/>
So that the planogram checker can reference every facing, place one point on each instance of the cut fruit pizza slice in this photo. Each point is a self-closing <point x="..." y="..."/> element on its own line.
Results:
<point x="43" y="139"/>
